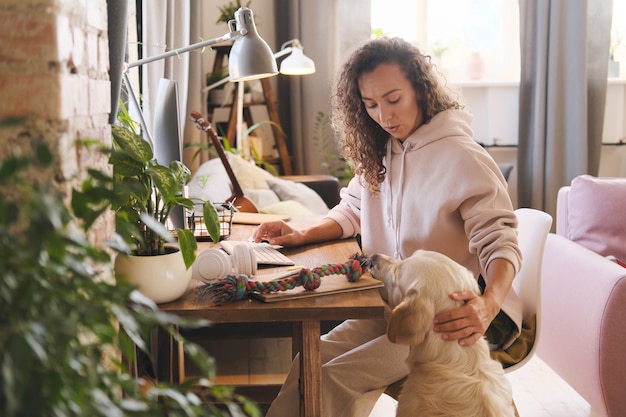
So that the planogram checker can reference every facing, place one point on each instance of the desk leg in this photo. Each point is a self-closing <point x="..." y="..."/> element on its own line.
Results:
<point x="308" y="334"/>
<point x="169" y="356"/>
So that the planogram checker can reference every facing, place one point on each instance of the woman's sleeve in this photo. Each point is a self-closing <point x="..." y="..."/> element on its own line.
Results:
<point x="348" y="212"/>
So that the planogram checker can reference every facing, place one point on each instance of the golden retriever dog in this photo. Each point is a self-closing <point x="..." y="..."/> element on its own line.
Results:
<point x="445" y="378"/>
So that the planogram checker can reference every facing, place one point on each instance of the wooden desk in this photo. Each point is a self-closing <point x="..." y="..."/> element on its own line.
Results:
<point x="305" y="314"/>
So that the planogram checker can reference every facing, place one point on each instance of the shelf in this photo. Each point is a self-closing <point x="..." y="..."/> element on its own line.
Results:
<point x="212" y="106"/>
<point x="269" y="102"/>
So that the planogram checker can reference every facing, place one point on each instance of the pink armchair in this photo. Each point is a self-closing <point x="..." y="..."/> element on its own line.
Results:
<point x="583" y="336"/>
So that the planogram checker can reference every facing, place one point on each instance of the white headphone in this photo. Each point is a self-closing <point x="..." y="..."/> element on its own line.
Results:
<point x="213" y="263"/>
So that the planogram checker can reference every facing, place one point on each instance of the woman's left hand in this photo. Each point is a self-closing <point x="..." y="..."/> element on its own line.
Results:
<point x="467" y="323"/>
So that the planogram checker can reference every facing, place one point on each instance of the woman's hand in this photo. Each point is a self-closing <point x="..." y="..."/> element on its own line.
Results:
<point x="278" y="233"/>
<point x="467" y="323"/>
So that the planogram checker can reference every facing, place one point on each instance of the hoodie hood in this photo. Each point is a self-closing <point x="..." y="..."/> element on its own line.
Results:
<point x="448" y="123"/>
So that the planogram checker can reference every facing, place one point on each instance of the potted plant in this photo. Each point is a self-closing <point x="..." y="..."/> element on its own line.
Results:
<point x="227" y="12"/>
<point x="61" y="315"/>
<point x="217" y="95"/>
<point x="144" y="194"/>
<point x="332" y="160"/>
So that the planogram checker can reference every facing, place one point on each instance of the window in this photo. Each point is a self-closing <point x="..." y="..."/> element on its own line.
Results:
<point x="480" y="34"/>
<point x="452" y="30"/>
<point x="489" y="28"/>
<point x="617" y="58"/>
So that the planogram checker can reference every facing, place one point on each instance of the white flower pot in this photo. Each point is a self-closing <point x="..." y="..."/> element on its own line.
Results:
<point x="162" y="278"/>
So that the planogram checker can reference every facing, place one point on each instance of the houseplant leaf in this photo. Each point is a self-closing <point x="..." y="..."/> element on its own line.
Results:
<point x="187" y="241"/>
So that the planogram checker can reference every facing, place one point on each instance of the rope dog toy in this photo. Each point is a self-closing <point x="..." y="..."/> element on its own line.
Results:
<point x="237" y="287"/>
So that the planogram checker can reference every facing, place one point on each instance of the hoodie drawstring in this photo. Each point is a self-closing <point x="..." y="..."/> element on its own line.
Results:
<point x="394" y="200"/>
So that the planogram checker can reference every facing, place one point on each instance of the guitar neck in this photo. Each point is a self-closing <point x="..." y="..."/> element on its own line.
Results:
<point x="220" y="152"/>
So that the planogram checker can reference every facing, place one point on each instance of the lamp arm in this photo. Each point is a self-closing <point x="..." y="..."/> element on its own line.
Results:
<point x="283" y="52"/>
<point x="228" y="36"/>
<point x="216" y="84"/>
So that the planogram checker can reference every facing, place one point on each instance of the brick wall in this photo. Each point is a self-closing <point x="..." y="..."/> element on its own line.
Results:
<point x="54" y="62"/>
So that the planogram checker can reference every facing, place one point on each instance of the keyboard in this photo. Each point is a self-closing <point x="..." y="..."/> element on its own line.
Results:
<point x="265" y="254"/>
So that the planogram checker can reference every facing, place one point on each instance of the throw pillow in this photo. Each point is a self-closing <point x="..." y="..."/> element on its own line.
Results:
<point x="289" y="207"/>
<point x="210" y="182"/>
<point x="261" y="197"/>
<point x="248" y="174"/>
<point x="290" y="190"/>
<point x="595" y="219"/>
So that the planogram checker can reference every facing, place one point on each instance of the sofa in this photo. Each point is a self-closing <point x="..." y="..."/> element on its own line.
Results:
<point x="288" y="195"/>
<point x="583" y="317"/>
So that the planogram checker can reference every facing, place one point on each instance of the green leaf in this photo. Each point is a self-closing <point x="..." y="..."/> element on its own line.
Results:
<point x="11" y="166"/>
<point x="124" y="165"/>
<point x="188" y="246"/>
<point x="43" y="154"/>
<point x="156" y="227"/>
<point x="165" y="182"/>
<point x="130" y="325"/>
<point x="180" y="171"/>
<point x="132" y="144"/>
<point x="211" y="220"/>
<point x="185" y="202"/>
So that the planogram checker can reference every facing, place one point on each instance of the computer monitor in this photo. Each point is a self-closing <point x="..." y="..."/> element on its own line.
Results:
<point x="167" y="134"/>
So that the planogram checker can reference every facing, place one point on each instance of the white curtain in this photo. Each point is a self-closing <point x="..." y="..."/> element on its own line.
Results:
<point x="564" y="56"/>
<point x="345" y="24"/>
<point x="167" y="25"/>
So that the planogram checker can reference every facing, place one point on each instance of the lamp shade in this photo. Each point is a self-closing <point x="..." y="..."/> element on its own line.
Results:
<point x="297" y="63"/>
<point x="250" y="57"/>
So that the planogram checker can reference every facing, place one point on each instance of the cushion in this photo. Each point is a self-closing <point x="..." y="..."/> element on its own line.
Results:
<point x="290" y="190"/>
<point x="595" y="219"/>
<point x="210" y="182"/>
<point x="248" y="174"/>
<point x="290" y="207"/>
<point x="261" y="197"/>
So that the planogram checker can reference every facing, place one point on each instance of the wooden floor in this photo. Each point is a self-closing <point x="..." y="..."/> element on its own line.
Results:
<point x="539" y="392"/>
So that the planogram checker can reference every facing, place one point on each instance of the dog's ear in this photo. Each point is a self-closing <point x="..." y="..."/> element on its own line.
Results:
<point x="410" y="320"/>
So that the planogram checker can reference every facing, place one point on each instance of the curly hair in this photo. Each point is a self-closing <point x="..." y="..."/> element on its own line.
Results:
<point x="361" y="139"/>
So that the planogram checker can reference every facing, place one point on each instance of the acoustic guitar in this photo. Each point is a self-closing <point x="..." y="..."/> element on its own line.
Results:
<point x="239" y="201"/>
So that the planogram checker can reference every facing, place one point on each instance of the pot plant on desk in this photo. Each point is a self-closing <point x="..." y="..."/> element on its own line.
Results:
<point x="145" y="195"/>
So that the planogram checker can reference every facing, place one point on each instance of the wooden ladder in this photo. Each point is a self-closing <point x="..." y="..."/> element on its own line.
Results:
<point x="269" y="101"/>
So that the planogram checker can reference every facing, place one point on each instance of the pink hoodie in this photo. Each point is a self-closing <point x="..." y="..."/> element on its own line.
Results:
<point x="442" y="192"/>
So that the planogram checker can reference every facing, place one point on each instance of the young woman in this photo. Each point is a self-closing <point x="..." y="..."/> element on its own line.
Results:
<point x="421" y="182"/>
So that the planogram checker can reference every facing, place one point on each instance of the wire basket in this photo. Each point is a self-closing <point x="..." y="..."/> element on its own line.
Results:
<point x="195" y="221"/>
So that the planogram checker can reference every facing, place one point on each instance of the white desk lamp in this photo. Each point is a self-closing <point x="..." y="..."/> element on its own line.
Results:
<point x="250" y="58"/>
<point x="295" y="64"/>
